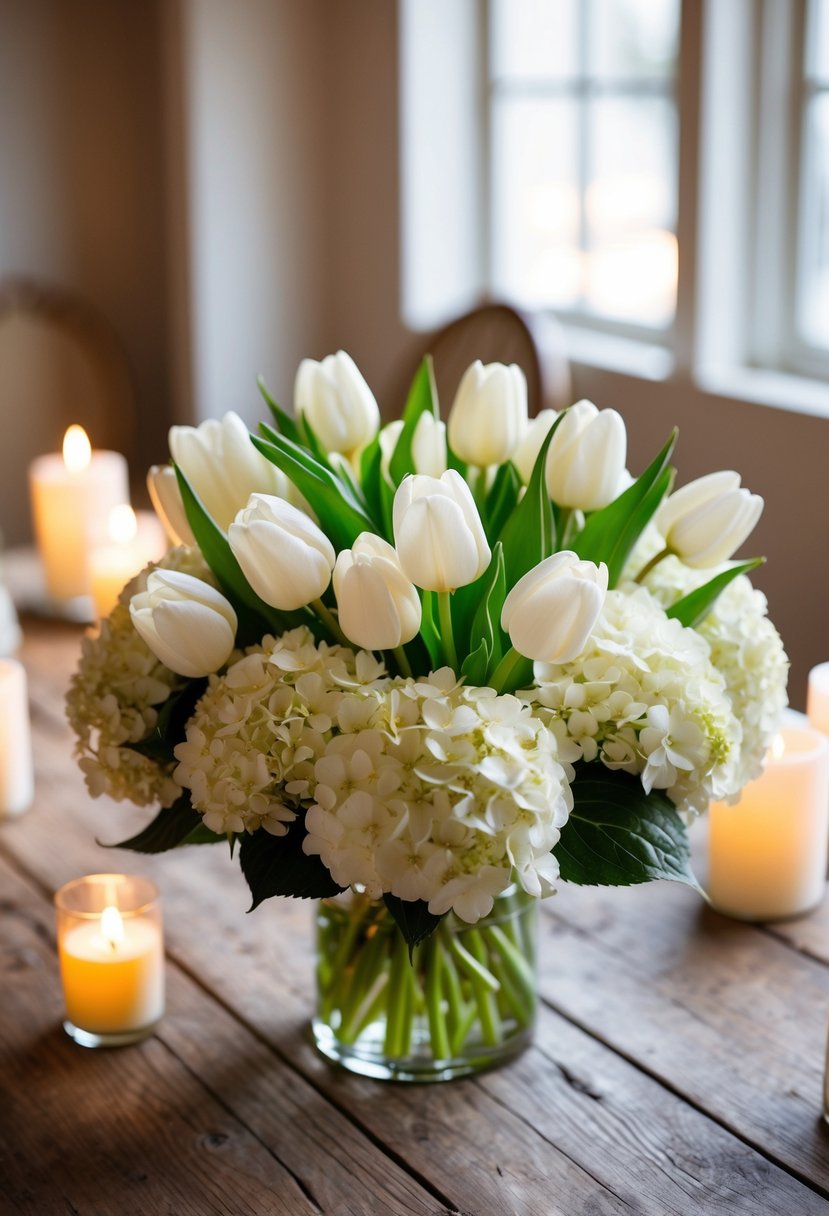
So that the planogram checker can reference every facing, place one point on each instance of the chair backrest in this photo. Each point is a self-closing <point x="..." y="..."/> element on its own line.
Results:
<point x="499" y="333"/>
<point x="60" y="362"/>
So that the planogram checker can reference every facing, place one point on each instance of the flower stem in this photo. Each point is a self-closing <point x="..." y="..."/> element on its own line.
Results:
<point x="646" y="569"/>
<point x="510" y="672"/>
<point x="402" y="661"/>
<point x="447" y="635"/>
<point x="565" y="526"/>
<point x="328" y="618"/>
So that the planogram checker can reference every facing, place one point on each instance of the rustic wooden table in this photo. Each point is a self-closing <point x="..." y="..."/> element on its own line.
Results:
<point x="677" y="1067"/>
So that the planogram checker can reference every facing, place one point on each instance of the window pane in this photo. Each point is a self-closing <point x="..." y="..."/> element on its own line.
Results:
<point x="631" y="210"/>
<point x="533" y="38"/>
<point x="813" y="287"/>
<point x="817" y="40"/>
<point x="633" y="38"/>
<point x="535" y="217"/>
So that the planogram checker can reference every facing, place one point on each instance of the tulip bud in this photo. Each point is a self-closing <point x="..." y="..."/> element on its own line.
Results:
<point x="438" y="533"/>
<point x="586" y="457"/>
<point x="429" y="445"/>
<point x="389" y="436"/>
<point x="705" y="522"/>
<point x="187" y="624"/>
<point x="529" y="445"/>
<point x="284" y="555"/>
<point x="489" y="413"/>
<point x="378" y="606"/>
<point x="337" y="402"/>
<point x="550" y="612"/>
<point x="223" y="467"/>
<point x="165" y="496"/>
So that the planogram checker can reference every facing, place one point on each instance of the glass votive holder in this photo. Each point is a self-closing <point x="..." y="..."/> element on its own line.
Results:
<point x="111" y="950"/>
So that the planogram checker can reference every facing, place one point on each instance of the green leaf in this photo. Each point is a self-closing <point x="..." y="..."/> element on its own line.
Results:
<point x="422" y="399"/>
<point x="370" y="476"/>
<point x="617" y="835"/>
<point x="487" y="620"/>
<point x="501" y="499"/>
<point x="413" y="919"/>
<point x="308" y="438"/>
<point x="285" y="423"/>
<point x="476" y="665"/>
<point x="170" y="828"/>
<point x="430" y="627"/>
<point x="170" y="724"/>
<point x="528" y="536"/>
<point x="276" y="865"/>
<point x="255" y="616"/>
<point x="695" y="606"/>
<point x="340" y="516"/>
<point x="610" y="534"/>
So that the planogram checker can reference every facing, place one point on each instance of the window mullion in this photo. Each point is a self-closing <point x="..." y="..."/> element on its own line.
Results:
<point x="684" y="337"/>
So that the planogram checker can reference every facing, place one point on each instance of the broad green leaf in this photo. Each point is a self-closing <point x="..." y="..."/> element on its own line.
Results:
<point x="276" y="865"/>
<point x="422" y="399"/>
<point x="610" y="534"/>
<point x="617" y="835"/>
<point x="370" y="476"/>
<point x="308" y="438"/>
<point x="170" y="724"/>
<point x="476" y="665"/>
<point x="170" y="828"/>
<point x="486" y="623"/>
<point x="255" y="616"/>
<point x="340" y="517"/>
<point x="695" y="606"/>
<point x="285" y="423"/>
<point x="501" y="499"/>
<point x="430" y="627"/>
<point x="413" y="919"/>
<point x="528" y="536"/>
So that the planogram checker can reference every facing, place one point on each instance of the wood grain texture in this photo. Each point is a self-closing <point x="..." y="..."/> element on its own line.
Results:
<point x="669" y="1029"/>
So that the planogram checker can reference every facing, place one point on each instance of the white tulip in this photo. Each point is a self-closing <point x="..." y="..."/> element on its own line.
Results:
<point x="705" y="522"/>
<point x="389" y="436"/>
<point x="586" y="457"/>
<point x="187" y="624"/>
<point x="223" y="467"/>
<point x="550" y="612"/>
<point x="337" y="402"/>
<point x="526" y="452"/>
<point x="378" y="606"/>
<point x="429" y="445"/>
<point x="489" y="413"/>
<point x="438" y="532"/>
<point x="284" y="555"/>
<point x="165" y="496"/>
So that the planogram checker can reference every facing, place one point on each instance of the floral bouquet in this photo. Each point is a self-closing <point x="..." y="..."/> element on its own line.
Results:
<point x="423" y="671"/>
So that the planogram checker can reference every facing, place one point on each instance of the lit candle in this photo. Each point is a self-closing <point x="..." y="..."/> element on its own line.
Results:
<point x="71" y="494"/>
<point x="134" y="541"/>
<point x="817" y="703"/>
<point x="768" y="853"/>
<point x="16" y="770"/>
<point x="111" y="952"/>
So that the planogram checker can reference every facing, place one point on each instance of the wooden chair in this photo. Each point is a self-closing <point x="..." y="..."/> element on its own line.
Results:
<point x="60" y="362"/>
<point x="495" y="332"/>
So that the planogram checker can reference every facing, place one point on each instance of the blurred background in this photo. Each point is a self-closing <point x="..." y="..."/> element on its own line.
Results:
<point x="196" y="191"/>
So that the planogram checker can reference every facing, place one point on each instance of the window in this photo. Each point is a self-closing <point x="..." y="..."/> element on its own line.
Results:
<point x="582" y="142"/>
<point x="812" y="270"/>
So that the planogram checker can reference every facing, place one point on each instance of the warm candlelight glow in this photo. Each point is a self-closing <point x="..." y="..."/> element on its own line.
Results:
<point x="77" y="450"/>
<point x="778" y="747"/>
<point x="122" y="525"/>
<point x="112" y="926"/>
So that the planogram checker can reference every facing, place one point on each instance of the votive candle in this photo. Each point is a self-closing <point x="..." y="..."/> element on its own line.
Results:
<point x="767" y="854"/>
<point x="16" y="767"/>
<point x="111" y="950"/>
<point x="817" y="701"/>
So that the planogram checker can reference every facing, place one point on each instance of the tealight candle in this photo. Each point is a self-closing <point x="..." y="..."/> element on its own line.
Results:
<point x="16" y="769"/>
<point x="767" y="854"/>
<point x="817" y="702"/>
<point x="71" y="494"/>
<point x="134" y="541"/>
<point x="111" y="952"/>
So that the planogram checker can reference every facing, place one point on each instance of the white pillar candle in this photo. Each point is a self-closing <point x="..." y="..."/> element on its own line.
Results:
<point x="767" y="854"/>
<point x="134" y="540"/>
<point x="16" y="769"/>
<point x="72" y="495"/>
<point x="817" y="701"/>
<point x="111" y="950"/>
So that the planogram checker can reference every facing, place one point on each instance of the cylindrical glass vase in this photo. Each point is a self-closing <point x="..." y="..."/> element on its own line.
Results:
<point x="465" y="1002"/>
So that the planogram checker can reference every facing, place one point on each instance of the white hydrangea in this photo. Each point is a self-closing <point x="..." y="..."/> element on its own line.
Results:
<point x="442" y="793"/>
<point x="745" y="647"/>
<point x="645" y="697"/>
<point x="115" y="694"/>
<point x="264" y="721"/>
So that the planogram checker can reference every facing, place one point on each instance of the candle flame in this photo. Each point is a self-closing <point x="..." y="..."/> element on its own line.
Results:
<point x="77" y="451"/>
<point x="122" y="524"/>
<point x="112" y="926"/>
<point x="777" y="748"/>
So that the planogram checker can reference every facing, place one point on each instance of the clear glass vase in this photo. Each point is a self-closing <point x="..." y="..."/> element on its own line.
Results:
<point x="465" y="1002"/>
